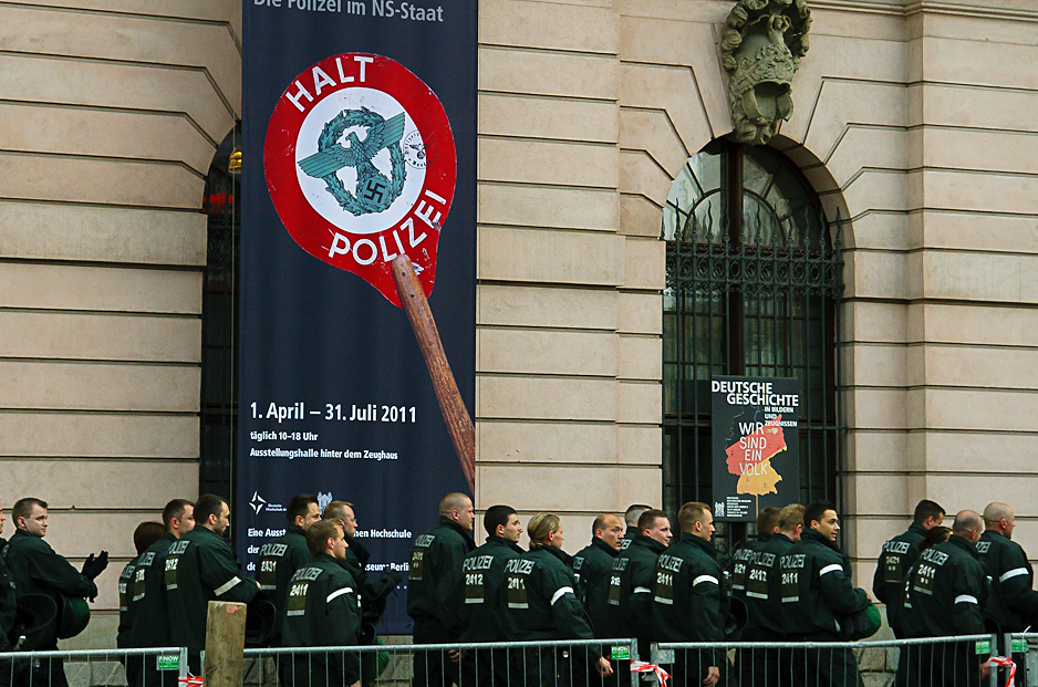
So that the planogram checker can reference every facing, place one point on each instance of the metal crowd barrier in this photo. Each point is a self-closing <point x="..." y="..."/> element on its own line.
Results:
<point x="928" y="662"/>
<point x="497" y="664"/>
<point x="158" y="667"/>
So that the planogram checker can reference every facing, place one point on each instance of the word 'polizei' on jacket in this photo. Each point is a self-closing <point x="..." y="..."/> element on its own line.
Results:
<point x="435" y="567"/>
<point x="201" y="567"/>
<point x="768" y="618"/>
<point x="482" y="584"/>
<point x="1013" y="603"/>
<point x="741" y="561"/>
<point x="541" y="600"/>
<point x="592" y="566"/>
<point x="278" y="562"/>
<point x="816" y="586"/>
<point x="896" y="558"/>
<point x="946" y="592"/>
<point x="689" y="600"/>
<point x="322" y="609"/>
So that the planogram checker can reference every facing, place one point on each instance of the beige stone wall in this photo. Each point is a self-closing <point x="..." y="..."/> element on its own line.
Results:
<point x="110" y="113"/>
<point x="568" y="392"/>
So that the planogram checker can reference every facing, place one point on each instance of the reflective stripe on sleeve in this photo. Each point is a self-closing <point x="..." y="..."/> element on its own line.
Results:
<point x="830" y="568"/>
<point x="966" y="599"/>
<point x="642" y="590"/>
<point x="337" y="593"/>
<point x="705" y="578"/>
<point x="1015" y="572"/>
<point x="559" y="593"/>
<point x="226" y="586"/>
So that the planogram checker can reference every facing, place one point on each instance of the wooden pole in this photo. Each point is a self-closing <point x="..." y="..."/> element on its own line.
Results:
<point x="455" y="414"/>
<point x="224" y="644"/>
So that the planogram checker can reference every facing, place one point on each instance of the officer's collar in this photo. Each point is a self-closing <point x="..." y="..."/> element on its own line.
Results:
<point x="650" y="543"/>
<point x="295" y="529"/>
<point x="598" y="543"/>
<point x="762" y="537"/>
<point x="778" y="536"/>
<point x="917" y="528"/>
<point x="963" y="543"/>
<point x="693" y="540"/>
<point x="558" y="553"/>
<point x="993" y="534"/>
<point x="447" y="522"/>
<point x="816" y="536"/>
<point x="501" y="541"/>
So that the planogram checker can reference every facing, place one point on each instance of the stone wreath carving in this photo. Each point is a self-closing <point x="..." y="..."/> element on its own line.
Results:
<point x="761" y="47"/>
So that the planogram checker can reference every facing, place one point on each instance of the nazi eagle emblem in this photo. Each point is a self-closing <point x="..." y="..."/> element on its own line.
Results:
<point x="374" y="191"/>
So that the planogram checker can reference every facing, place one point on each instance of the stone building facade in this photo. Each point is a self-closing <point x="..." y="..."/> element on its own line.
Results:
<point x="913" y="119"/>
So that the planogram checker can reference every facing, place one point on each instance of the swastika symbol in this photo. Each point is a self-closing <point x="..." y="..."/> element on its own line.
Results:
<point x="375" y="190"/>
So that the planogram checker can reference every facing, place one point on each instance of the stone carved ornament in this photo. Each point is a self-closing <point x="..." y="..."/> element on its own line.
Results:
<point x="761" y="47"/>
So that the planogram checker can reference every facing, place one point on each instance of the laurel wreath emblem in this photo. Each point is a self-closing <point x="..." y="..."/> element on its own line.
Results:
<point x="330" y="135"/>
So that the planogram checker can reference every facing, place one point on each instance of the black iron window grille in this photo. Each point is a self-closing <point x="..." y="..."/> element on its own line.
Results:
<point x="753" y="284"/>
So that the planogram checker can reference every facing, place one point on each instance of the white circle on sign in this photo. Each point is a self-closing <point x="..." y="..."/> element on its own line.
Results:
<point x="316" y="191"/>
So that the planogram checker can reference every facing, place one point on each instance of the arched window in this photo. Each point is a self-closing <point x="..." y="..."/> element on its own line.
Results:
<point x="753" y="281"/>
<point x="219" y="402"/>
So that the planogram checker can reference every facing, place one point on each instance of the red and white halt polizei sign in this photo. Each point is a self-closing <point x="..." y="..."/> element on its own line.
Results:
<point x="361" y="167"/>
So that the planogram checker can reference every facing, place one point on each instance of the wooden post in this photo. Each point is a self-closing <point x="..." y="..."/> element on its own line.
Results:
<point x="455" y="414"/>
<point x="224" y="644"/>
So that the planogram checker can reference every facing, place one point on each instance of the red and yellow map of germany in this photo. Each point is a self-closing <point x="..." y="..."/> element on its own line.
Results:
<point x="750" y="458"/>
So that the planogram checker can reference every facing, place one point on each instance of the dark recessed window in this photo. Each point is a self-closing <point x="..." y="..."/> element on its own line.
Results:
<point x="753" y="283"/>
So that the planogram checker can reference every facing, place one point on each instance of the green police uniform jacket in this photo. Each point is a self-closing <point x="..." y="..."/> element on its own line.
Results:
<point x="323" y="609"/>
<point x="435" y="567"/>
<point x="897" y="556"/>
<point x="278" y="561"/>
<point x="630" y="589"/>
<point x="149" y="596"/>
<point x="8" y="599"/>
<point x="946" y="592"/>
<point x="816" y="586"/>
<point x="1012" y="601"/>
<point x="741" y="561"/>
<point x="592" y="565"/>
<point x="123" y="636"/>
<point x="37" y="569"/>
<point x="542" y="603"/>
<point x="763" y="598"/>
<point x="482" y="586"/>
<point x="201" y="567"/>
<point x="689" y="601"/>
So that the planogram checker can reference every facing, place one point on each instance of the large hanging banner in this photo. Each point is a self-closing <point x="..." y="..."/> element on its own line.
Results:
<point x="756" y="444"/>
<point x="359" y="146"/>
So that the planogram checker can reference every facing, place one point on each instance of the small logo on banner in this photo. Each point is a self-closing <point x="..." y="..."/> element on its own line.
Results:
<point x="257" y="502"/>
<point x="323" y="499"/>
<point x="361" y="166"/>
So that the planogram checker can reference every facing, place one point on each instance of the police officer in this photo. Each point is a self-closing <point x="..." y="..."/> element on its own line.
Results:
<point x="372" y="594"/>
<point x="689" y="599"/>
<point x="8" y="600"/>
<point x="946" y="595"/>
<point x="542" y="605"/>
<point x="631" y="515"/>
<point x="1013" y="603"/>
<point x="817" y="592"/>
<point x="897" y="556"/>
<point x="280" y="558"/>
<point x="323" y="610"/>
<point x="37" y="569"/>
<point x="151" y="617"/>
<point x="146" y="534"/>
<point x="481" y="584"/>
<point x="592" y="566"/>
<point x="629" y="599"/>
<point x="767" y="520"/>
<point x="435" y="569"/>
<point x="201" y="567"/>
<point x="768" y="619"/>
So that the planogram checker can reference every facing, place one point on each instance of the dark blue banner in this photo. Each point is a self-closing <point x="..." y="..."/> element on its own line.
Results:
<point x="359" y="145"/>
